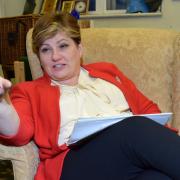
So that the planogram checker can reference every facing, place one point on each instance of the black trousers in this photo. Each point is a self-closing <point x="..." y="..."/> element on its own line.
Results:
<point x="136" y="148"/>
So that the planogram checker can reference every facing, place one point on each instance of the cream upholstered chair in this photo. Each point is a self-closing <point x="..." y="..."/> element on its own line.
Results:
<point x="150" y="57"/>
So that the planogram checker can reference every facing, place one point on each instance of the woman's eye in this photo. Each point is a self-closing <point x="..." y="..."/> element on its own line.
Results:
<point x="63" y="46"/>
<point x="43" y="50"/>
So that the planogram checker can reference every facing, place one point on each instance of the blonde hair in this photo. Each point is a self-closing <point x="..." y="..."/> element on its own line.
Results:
<point x="50" y="24"/>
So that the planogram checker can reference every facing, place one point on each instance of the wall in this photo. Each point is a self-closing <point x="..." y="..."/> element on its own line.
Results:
<point x="14" y="7"/>
<point x="169" y="18"/>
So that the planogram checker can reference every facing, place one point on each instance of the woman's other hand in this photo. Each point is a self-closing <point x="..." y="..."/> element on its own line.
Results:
<point x="5" y="85"/>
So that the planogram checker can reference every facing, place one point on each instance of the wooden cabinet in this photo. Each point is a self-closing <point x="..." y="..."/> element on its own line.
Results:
<point x="13" y="39"/>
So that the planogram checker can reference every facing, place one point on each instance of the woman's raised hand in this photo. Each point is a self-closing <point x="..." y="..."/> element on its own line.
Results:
<point x="9" y="120"/>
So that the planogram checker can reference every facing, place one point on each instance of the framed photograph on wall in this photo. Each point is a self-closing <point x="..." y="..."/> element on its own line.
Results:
<point x="67" y="6"/>
<point x="49" y="6"/>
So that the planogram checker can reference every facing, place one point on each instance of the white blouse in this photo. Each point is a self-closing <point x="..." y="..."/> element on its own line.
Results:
<point x="89" y="98"/>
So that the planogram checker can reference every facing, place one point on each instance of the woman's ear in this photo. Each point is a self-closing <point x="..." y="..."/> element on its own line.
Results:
<point x="81" y="49"/>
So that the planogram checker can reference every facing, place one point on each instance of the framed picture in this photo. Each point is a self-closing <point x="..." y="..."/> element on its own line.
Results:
<point x="38" y="6"/>
<point x="49" y="6"/>
<point x="67" y="6"/>
<point x="59" y="5"/>
<point x="81" y="6"/>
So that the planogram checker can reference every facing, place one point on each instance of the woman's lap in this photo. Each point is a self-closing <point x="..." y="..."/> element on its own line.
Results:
<point x="124" y="151"/>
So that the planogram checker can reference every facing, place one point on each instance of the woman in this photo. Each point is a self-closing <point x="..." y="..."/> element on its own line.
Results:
<point x="46" y="109"/>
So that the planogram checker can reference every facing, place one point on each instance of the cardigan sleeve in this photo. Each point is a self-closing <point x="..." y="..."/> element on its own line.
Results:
<point x="22" y="106"/>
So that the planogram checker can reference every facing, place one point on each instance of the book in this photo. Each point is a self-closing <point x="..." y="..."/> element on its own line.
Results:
<point x="85" y="127"/>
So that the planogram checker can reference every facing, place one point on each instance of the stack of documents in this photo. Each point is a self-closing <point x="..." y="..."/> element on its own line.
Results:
<point x="85" y="127"/>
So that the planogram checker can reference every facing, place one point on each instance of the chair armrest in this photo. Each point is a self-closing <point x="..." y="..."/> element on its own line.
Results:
<point x="19" y="71"/>
<point x="24" y="159"/>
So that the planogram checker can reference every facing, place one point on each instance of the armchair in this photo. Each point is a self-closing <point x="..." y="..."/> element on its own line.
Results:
<point x="149" y="57"/>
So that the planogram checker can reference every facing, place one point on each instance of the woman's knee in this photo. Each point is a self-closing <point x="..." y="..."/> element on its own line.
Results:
<point x="139" y="125"/>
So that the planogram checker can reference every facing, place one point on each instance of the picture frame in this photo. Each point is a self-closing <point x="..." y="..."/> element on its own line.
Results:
<point x="67" y="6"/>
<point x="38" y="6"/>
<point x="81" y="6"/>
<point x="49" y="6"/>
<point x="59" y="5"/>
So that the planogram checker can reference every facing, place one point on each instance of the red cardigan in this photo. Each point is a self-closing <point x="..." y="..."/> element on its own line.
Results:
<point x="37" y="103"/>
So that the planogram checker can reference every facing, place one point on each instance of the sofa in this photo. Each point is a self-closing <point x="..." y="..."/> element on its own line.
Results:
<point x="149" y="57"/>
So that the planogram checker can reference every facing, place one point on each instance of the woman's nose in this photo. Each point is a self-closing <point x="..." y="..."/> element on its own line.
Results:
<point x="56" y="55"/>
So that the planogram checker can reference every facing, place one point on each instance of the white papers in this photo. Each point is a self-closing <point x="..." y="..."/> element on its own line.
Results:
<point x="85" y="127"/>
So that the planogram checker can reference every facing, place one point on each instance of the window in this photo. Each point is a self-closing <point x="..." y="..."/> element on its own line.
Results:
<point x="123" y="6"/>
<point x="116" y="4"/>
<point x="101" y="6"/>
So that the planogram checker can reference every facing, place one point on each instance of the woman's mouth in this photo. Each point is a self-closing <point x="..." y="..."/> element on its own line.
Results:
<point x="58" y="66"/>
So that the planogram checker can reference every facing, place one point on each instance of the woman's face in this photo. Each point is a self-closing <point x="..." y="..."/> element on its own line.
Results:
<point x="60" y="58"/>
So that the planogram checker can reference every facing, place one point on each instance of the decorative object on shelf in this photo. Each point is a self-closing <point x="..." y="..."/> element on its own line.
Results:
<point x="75" y="14"/>
<point x="137" y="6"/>
<point x="81" y="6"/>
<point x="67" y="6"/>
<point x="49" y="6"/>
